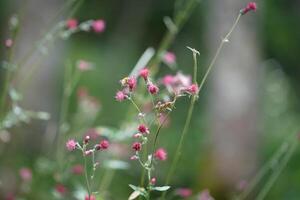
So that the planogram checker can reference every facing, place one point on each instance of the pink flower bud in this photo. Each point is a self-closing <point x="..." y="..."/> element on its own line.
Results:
<point x="137" y="135"/>
<point x="72" y="24"/>
<point x="86" y="139"/>
<point x="153" y="89"/>
<point x="137" y="146"/>
<point x="153" y="181"/>
<point x="169" y="58"/>
<point x="88" y="152"/>
<point x="131" y="83"/>
<point x="92" y="197"/>
<point x="61" y="189"/>
<point x="143" y="129"/>
<point x="133" y="157"/>
<point x="144" y="73"/>
<point x="77" y="169"/>
<point x="193" y="89"/>
<point x="25" y="174"/>
<point x="120" y="96"/>
<point x="104" y="144"/>
<point x="71" y="145"/>
<point x="98" y="25"/>
<point x="160" y="154"/>
<point x="251" y="6"/>
<point x="8" y="43"/>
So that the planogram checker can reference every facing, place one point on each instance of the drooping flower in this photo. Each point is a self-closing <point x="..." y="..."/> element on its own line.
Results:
<point x="137" y="146"/>
<point x="72" y="23"/>
<point x="71" y="145"/>
<point x="160" y="154"/>
<point x="120" y="96"/>
<point x="98" y="25"/>
<point x="153" y="89"/>
<point x="193" y="89"/>
<point x="25" y="174"/>
<point x="251" y="6"/>
<point x="91" y="197"/>
<point x="143" y="129"/>
<point x="104" y="144"/>
<point x="83" y="65"/>
<point x="60" y="189"/>
<point x="77" y="169"/>
<point x="144" y="73"/>
<point x="184" y="192"/>
<point x="169" y="58"/>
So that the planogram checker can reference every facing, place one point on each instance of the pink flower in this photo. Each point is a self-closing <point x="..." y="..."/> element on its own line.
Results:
<point x="153" y="89"/>
<point x="137" y="146"/>
<point x="205" y="195"/>
<point x="131" y="83"/>
<point x="72" y="24"/>
<point x="25" y="174"/>
<point x="169" y="58"/>
<point x="144" y="73"/>
<point x="88" y="152"/>
<point x="168" y="80"/>
<point x="83" y="65"/>
<point x="193" y="89"/>
<point x="98" y="25"/>
<point x="92" y="197"/>
<point x="8" y="43"/>
<point x="77" y="169"/>
<point x="61" y="189"/>
<point x="184" y="192"/>
<point x="160" y="154"/>
<point x="120" y="96"/>
<point x="104" y="144"/>
<point x="153" y="181"/>
<point x="143" y="129"/>
<point x="134" y="157"/>
<point x="71" y="145"/>
<point x="251" y="6"/>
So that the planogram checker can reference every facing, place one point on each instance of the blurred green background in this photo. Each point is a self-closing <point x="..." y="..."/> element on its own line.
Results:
<point x="131" y="27"/>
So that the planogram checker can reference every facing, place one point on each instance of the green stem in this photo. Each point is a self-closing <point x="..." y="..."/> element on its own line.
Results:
<point x="86" y="176"/>
<point x="226" y="39"/>
<point x="262" y="194"/>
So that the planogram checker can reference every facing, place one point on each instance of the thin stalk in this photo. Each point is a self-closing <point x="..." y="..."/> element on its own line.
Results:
<point x="263" y="193"/>
<point x="186" y="126"/>
<point x="226" y="39"/>
<point x="86" y="176"/>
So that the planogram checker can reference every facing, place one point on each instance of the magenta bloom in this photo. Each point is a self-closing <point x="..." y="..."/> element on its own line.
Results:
<point x="61" y="189"/>
<point x="193" y="89"/>
<point x="131" y="83"/>
<point x="72" y="24"/>
<point x="184" y="192"/>
<point x="168" y="80"/>
<point x="251" y="6"/>
<point x="143" y="129"/>
<point x="144" y="73"/>
<point x="77" y="169"/>
<point x="169" y="58"/>
<point x="160" y="154"/>
<point x="137" y="146"/>
<point x="92" y="197"/>
<point x="71" y="145"/>
<point x="98" y="25"/>
<point x="8" y="43"/>
<point x="104" y="144"/>
<point x="120" y="96"/>
<point x="25" y="174"/>
<point x="153" y="181"/>
<point x="153" y="89"/>
<point x="83" y="65"/>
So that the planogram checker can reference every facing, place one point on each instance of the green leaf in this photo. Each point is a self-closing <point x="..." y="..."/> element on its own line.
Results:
<point x="134" y="195"/>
